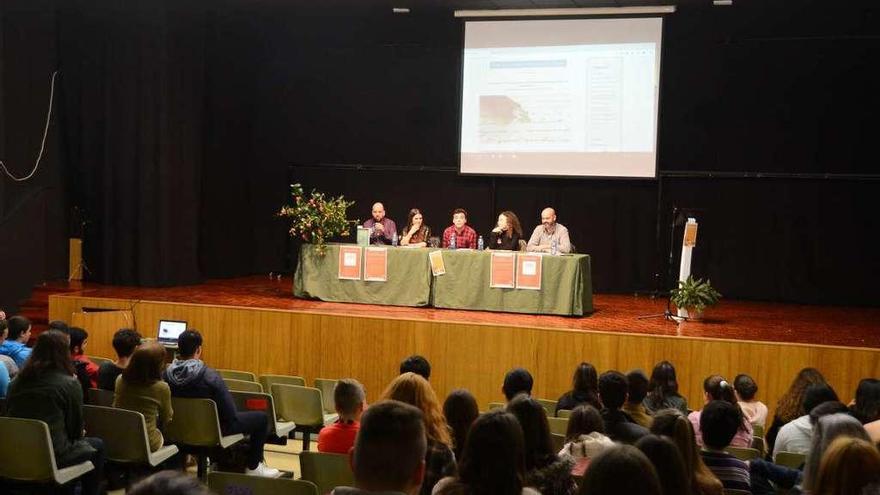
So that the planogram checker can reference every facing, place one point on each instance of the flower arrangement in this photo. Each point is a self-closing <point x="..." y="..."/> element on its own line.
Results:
<point x="316" y="218"/>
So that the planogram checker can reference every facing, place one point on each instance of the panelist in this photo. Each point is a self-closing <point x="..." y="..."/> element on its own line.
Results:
<point x="465" y="236"/>
<point x="382" y="228"/>
<point x="416" y="232"/>
<point x="544" y="234"/>
<point x="507" y="232"/>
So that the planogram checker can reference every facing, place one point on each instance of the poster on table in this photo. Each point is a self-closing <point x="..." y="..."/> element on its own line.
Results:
<point x="528" y="271"/>
<point x="376" y="264"/>
<point x="435" y="258"/>
<point x="350" y="262"/>
<point x="502" y="270"/>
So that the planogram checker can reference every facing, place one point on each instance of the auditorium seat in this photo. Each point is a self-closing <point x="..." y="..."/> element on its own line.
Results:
<point x="558" y="425"/>
<point x="125" y="436"/>
<point x="549" y="406"/>
<point x="790" y="459"/>
<point x="268" y="380"/>
<point x="758" y="444"/>
<point x="757" y="430"/>
<point x="36" y="463"/>
<point x="196" y="425"/>
<point x="496" y="405"/>
<point x="100" y="397"/>
<point x="242" y="385"/>
<point x="304" y="406"/>
<point x="558" y="442"/>
<point x="227" y="483"/>
<point x="564" y="413"/>
<point x="258" y="401"/>
<point x="327" y="386"/>
<point x="238" y="375"/>
<point x="327" y="471"/>
<point x="743" y="453"/>
<point x="99" y="360"/>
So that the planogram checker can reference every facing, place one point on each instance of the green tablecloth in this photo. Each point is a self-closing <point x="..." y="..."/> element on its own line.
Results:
<point x="409" y="278"/>
<point x="566" y="286"/>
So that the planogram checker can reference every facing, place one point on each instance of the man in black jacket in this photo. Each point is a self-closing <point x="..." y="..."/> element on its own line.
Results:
<point x="189" y="377"/>
<point x="619" y="426"/>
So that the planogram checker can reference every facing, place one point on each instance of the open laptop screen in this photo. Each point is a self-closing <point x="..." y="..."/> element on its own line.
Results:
<point x="169" y="330"/>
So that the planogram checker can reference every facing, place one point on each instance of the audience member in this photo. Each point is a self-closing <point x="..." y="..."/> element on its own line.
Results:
<point x="78" y="340"/>
<point x="6" y="361"/>
<point x="140" y="388"/>
<point x="507" y="232"/>
<point x="46" y="390"/>
<point x="416" y="233"/>
<point x="517" y="381"/>
<point x="382" y="228"/>
<point x="460" y="410"/>
<point x="619" y="426"/>
<point x="673" y="424"/>
<point x="4" y="379"/>
<point x="416" y="364"/>
<point x="15" y="336"/>
<point x="720" y="421"/>
<point x="668" y="463"/>
<point x="493" y="459"/>
<point x="716" y="387"/>
<point x="412" y="389"/>
<point x="389" y="451"/>
<point x="621" y="470"/>
<point x="125" y="341"/>
<point x="637" y="390"/>
<point x="465" y="236"/>
<point x="791" y="405"/>
<point x="866" y="407"/>
<point x="190" y="377"/>
<point x="585" y="437"/>
<point x="349" y="398"/>
<point x="169" y="483"/>
<point x="547" y="233"/>
<point x="849" y="466"/>
<point x="59" y="325"/>
<point x="828" y="428"/>
<point x="663" y="390"/>
<point x="755" y="410"/>
<point x="584" y="389"/>
<point x="796" y="435"/>
<point x="547" y="472"/>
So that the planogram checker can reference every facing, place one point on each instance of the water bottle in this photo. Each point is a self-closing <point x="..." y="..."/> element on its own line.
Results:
<point x="554" y="247"/>
<point x="394" y="239"/>
<point x="452" y="241"/>
<point x="480" y="243"/>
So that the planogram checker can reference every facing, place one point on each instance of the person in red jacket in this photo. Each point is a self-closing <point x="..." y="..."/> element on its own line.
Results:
<point x="339" y="437"/>
<point x="78" y="340"/>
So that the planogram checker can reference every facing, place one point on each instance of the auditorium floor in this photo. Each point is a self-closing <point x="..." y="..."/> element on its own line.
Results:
<point x="736" y="320"/>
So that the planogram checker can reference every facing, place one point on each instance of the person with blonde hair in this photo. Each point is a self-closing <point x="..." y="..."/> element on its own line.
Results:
<point x="849" y="466"/>
<point x="414" y="390"/>
<point x="672" y="423"/>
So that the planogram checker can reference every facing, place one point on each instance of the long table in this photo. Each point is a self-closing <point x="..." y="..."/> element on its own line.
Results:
<point x="566" y="287"/>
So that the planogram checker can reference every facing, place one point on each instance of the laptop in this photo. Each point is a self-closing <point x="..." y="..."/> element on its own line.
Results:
<point x="169" y="330"/>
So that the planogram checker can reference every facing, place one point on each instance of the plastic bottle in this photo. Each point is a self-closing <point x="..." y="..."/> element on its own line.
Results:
<point x="480" y="243"/>
<point x="452" y="241"/>
<point x="394" y="239"/>
<point x="554" y="247"/>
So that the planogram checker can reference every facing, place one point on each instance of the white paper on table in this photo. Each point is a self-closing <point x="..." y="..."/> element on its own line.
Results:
<point x="530" y="267"/>
<point x="349" y="259"/>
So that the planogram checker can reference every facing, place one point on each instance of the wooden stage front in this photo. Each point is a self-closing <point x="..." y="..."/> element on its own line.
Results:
<point x="255" y="324"/>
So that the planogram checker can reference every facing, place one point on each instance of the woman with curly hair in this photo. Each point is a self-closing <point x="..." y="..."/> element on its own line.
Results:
<point x="791" y="404"/>
<point x="414" y="390"/>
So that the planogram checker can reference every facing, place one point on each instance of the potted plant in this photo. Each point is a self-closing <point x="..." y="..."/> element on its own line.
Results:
<point x="314" y="218"/>
<point x="694" y="296"/>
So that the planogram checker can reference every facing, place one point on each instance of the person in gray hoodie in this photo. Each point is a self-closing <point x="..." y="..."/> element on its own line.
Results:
<point x="796" y="435"/>
<point x="189" y="377"/>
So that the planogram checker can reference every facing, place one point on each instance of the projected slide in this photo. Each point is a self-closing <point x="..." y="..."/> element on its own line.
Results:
<point x="535" y="103"/>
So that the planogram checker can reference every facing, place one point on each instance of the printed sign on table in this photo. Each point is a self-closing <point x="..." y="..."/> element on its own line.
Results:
<point x="528" y="271"/>
<point x="435" y="258"/>
<point x="376" y="264"/>
<point x="350" y="262"/>
<point x="502" y="270"/>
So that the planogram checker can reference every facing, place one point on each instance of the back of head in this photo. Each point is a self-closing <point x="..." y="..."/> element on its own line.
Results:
<point x="719" y="389"/>
<point x="668" y="462"/>
<point x="719" y="422"/>
<point x="460" y="410"/>
<point x="147" y="363"/>
<point x="673" y="424"/>
<point x="188" y="342"/>
<point x="791" y="404"/>
<point x="745" y="386"/>
<point x="349" y="396"/>
<point x="826" y="408"/>
<point x="585" y="379"/>
<point x="584" y="419"/>
<point x="59" y="325"/>
<point x="613" y="389"/>
<point x="51" y="353"/>
<point x="867" y="406"/>
<point x="849" y="466"/>
<point x="493" y="457"/>
<point x="517" y="381"/>
<point x="78" y="337"/>
<point x="621" y="470"/>
<point x="637" y="386"/>
<point x="827" y="429"/>
<point x="817" y="394"/>
<point x="125" y="341"/>
<point x="17" y="326"/>
<point x="416" y="364"/>
<point x="169" y="483"/>
<point x="414" y="390"/>
<point x="536" y="431"/>
<point x="390" y="448"/>
<point x="663" y="380"/>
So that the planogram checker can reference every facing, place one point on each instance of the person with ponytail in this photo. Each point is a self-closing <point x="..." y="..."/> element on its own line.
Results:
<point x="715" y="387"/>
<point x="673" y="424"/>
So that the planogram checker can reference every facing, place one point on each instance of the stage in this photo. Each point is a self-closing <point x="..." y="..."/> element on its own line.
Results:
<point x="256" y="324"/>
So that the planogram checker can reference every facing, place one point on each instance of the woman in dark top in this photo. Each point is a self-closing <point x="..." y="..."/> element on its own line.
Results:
<point x="46" y="390"/>
<point x="584" y="389"/>
<point x="507" y="232"/>
<point x="663" y="390"/>
<point x="461" y="411"/>
<point x="546" y="471"/>
<point x="416" y="232"/>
